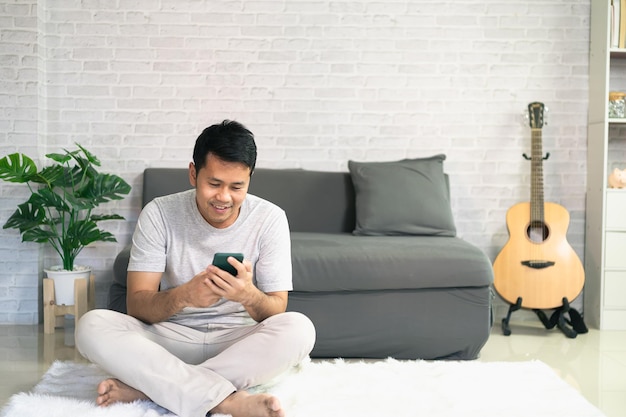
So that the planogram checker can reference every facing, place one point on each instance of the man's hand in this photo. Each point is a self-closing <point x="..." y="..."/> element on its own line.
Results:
<point x="234" y="288"/>
<point x="147" y="303"/>
<point x="241" y="289"/>
<point x="198" y="292"/>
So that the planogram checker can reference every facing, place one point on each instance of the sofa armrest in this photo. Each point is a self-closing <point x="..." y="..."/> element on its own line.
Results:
<point x="117" y="290"/>
<point x="117" y="298"/>
<point x="120" y="266"/>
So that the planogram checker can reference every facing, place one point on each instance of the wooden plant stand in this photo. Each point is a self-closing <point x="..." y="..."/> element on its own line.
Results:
<point x="84" y="300"/>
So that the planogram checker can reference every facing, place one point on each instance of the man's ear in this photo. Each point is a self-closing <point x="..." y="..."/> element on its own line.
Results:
<point x="193" y="179"/>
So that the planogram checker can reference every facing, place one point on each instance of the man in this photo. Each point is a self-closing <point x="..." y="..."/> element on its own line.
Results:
<point x="195" y="344"/>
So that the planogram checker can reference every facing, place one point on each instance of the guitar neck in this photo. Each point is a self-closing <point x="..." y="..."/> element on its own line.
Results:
<point x="536" y="177"/>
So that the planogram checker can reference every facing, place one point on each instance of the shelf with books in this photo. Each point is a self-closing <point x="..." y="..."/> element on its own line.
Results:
<point x="605" y="235"/>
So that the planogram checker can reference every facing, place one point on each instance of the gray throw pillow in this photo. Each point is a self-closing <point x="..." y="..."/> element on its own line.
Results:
<point x="407" y="197"/>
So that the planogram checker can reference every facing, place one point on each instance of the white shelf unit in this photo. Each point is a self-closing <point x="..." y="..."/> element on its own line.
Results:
<point x="605" y="237"/>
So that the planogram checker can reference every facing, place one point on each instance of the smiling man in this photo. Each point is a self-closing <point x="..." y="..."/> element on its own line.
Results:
<point x="196" y="337"/>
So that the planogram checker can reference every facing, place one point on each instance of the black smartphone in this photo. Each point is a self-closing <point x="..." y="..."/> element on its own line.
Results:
<point x="220" y="260"/>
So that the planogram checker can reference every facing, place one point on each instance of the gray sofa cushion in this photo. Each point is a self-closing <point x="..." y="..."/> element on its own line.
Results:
<point x="315" y="201"/>
<point x="344" y="262"/>
<point x="407" y="197"/>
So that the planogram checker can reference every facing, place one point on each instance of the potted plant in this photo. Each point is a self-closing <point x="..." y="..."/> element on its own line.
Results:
<point x="60" y="209"/>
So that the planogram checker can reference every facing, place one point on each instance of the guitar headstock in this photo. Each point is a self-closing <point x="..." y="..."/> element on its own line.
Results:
<point x="535" y="115"/>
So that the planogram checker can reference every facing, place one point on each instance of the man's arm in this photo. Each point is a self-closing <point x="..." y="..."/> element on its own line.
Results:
<point x="263" y="305"/>
<point x="145" y="302"/>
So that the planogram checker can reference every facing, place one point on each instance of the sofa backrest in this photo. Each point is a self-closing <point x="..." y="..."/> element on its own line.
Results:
<point x="158" y="182"/>
<point x="315" y="201"/>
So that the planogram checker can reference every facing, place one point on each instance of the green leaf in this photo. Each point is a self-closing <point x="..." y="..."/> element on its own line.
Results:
<point x="26" y="217"/>
<point x="38" y="235"/>
<point x="86" y="162"/>
<point x="83" y="163"/>
<point x="106" y="187"/>
<point x="45" y="197"/>
<point x="81" y="203"/>
<point x="106" y="236"/>
<point x="86" y="232"/>
<point x="60" y="158"/>
<point x="67" y="177"/>
<point x="49" y="175"/>
<point x="91" y="157"/>
<point x="100" y="217"/>
<point x="17" y="167"/>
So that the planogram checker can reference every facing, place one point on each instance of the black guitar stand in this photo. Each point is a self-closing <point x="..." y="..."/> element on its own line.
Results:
<point x="571" y="328"/>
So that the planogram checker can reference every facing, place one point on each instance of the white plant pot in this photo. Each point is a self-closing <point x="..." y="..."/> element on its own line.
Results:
<point x="64" y="282"/>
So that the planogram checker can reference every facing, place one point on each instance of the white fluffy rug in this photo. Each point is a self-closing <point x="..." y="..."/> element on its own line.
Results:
<point x="348" y="389"/>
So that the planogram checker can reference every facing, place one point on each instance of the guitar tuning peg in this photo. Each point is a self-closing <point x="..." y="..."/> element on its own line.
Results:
<point x="525" y="118"/>
<point x="546" y="113"/>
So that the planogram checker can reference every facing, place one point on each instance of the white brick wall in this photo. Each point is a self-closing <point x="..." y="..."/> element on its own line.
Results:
<point x="318" y="82"/>
<point x="19" y="265"/>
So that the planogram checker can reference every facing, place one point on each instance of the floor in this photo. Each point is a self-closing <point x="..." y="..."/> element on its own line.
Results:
<point x="594" y="363"/>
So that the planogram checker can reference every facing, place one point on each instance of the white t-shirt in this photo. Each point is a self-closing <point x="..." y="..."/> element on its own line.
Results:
<point x="172" y="237"/>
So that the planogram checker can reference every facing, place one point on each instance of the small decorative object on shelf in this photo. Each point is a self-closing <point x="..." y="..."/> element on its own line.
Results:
<point x="617" y="104"/>
<point x="617" y="178"/>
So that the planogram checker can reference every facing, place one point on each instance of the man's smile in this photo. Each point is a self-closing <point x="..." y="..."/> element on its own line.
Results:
<point x="221" y="207"/>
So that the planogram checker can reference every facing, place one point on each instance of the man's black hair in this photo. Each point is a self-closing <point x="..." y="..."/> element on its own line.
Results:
<point x="229" y="141"/>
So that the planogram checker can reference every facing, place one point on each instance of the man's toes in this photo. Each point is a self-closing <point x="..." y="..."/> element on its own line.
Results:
<point x="105" y="386"/>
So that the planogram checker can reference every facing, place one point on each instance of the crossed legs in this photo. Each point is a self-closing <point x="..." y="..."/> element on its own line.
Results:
<point x="191" y="372"/>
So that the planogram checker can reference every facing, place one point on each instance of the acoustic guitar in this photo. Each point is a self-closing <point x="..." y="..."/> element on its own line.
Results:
<point x="537" y="264"/>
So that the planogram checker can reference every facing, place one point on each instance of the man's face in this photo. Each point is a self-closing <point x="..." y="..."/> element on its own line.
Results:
<point x="221" y="188"/>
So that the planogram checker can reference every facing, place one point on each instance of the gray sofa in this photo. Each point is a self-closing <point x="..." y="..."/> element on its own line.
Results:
<point x="370" y="296"/>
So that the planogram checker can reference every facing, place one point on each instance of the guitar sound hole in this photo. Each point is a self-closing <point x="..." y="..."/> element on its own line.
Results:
<point x="537" y="232"/>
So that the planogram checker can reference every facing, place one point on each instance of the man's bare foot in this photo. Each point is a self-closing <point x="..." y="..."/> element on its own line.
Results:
<point x="111" y="391"/>
<point x="242" y="404"/>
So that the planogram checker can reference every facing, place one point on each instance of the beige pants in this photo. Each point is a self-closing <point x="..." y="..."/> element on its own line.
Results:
<point x="187" y="371"/>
